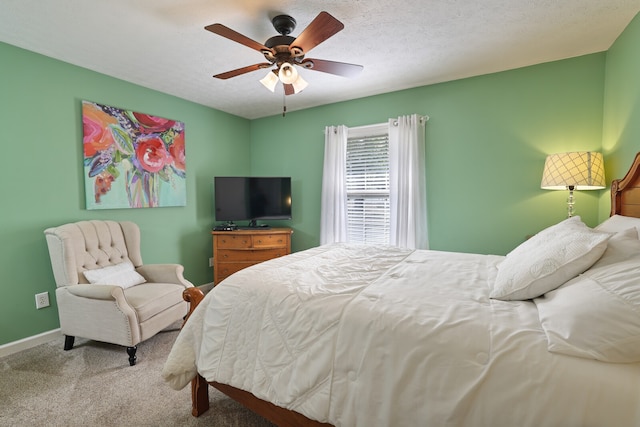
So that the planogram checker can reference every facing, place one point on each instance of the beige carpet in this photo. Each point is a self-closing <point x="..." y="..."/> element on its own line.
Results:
<point x="93" y="385"/>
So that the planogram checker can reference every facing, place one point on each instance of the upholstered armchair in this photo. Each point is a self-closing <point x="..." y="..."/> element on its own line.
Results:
<point x="104" y="292"/>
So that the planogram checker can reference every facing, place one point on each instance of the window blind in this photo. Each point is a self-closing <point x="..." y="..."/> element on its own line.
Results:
<point x="367" y="181"/>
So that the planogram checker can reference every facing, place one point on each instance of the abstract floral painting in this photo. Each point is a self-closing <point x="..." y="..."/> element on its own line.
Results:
<point x="132" y="160"/>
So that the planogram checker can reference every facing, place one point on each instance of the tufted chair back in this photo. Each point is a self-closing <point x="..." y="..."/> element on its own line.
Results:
<point x="87" y="245"/>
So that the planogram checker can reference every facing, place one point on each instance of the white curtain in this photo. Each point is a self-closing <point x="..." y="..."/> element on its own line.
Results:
<point x="333" y="213"/>
<point x="408" y="194"/>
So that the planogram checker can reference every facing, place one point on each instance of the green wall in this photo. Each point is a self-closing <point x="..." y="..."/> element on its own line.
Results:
<point x="41" y="180"/>
<point x="487" y="139"/>
<point x="621" y="124"/>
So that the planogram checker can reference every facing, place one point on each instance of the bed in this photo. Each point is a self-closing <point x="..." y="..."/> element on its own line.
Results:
<point x="349" y="335"/>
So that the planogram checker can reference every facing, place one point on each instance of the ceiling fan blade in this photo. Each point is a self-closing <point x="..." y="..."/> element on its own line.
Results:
<point x="288" y="89"/>
<point x="320" y="29"/>
<point x="338" y="68"/>
<point x="227" y="32"/>
<point x="243" y="70"/>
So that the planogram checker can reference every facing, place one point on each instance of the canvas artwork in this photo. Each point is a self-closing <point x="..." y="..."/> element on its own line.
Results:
<point x="131" y="159"/>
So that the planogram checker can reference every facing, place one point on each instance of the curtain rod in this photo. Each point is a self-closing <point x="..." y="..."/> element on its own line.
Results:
<point x="423" y="119"/>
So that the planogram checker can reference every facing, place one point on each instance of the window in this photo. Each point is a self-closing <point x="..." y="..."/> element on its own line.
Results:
<point x="367" y="185"/>
<point x="365" y="196"/>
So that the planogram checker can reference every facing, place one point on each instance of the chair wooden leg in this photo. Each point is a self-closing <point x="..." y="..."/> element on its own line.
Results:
<point x="131" y="351"/>
<point x="68" y="342"/>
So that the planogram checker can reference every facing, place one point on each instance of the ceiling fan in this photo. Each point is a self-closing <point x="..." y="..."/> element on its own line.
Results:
<point x="286" y="52"/>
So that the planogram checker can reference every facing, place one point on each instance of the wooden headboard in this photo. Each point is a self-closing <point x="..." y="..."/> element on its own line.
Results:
<point x="625" y="192"/>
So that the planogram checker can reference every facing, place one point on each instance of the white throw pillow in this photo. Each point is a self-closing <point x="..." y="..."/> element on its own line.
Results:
<point x="123" y="275"/>
<point x="617" y="223"/>
<point x="597" y="314"/>
<point x="548" y="259"/>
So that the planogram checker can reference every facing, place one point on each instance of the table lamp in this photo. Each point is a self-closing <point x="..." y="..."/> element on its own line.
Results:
<point x="580" y="170"/>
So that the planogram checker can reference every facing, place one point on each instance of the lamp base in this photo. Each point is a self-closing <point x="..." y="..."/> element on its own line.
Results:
<point x="570" y="202"/>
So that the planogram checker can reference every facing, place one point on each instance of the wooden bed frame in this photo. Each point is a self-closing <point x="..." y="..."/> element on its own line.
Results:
<point x="625" y="192"/>
<point x="625" y="200"/>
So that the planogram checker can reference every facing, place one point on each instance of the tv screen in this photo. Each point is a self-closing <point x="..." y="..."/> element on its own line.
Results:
<point x="252" y="198"/>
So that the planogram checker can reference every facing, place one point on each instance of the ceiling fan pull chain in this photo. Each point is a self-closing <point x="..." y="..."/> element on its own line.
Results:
<point x="284" y="104"/>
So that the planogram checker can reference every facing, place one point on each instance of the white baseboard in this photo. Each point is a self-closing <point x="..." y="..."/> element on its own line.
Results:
<point x="29" y="342"/>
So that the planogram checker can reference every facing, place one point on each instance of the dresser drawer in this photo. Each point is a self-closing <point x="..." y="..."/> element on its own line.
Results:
<point x="226" y="269"/>
<point x="248" y="255"/>
<point x="227" y="241"/>
<point x="270" y="240"/>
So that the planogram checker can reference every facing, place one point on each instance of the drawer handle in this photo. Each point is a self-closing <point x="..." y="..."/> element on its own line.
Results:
<point x="259" y="241"/>
<point x="225" y="256"/>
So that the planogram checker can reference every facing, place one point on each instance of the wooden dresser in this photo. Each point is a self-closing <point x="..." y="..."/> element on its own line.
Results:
<point x="238" y="249"/>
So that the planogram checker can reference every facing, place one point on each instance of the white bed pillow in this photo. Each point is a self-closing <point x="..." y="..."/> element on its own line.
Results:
<point x="123" y="275"/>
<point x="617" y="223"/>
<point x="548" y="259"/>
<point x="620" y="247"/>
<point x="597" y="314"/>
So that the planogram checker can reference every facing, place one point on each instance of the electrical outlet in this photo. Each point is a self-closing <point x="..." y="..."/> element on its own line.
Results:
<point x="42" y="300"/>
<point x="210" y="262"/>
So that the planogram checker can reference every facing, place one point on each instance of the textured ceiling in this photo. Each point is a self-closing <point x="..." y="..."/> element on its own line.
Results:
<point x="162" y="44"/>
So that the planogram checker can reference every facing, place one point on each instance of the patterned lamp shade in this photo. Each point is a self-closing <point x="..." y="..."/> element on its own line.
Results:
<point x="583" y="170"/>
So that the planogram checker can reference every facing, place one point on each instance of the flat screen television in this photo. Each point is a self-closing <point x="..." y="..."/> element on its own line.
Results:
<point x="250" y="199"/>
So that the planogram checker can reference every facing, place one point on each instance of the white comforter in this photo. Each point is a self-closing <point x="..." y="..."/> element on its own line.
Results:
<point x="370" y="336"/>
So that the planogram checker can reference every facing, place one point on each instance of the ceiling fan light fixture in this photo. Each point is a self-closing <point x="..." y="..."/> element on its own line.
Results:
<point x="299" y="84"/>
<point x="288" y="74"/>
<point x="270" y="81"/>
